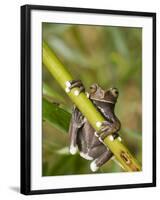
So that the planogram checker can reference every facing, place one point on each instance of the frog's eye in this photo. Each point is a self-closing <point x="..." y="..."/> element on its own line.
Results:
<point x="93" y="88"/>
<point x="115" y="92"/>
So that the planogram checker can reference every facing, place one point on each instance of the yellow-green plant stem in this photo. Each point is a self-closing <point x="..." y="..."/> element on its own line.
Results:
<point x="59" y="72"/>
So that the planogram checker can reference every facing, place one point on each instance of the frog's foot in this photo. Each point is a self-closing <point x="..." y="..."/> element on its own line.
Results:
<point x="93" y="166"/>
<point x="85" y="156"/>
<point x="104" y="127"/>
<point x="107" y="129"/>
<point x="73" y="149"/>
<point x="75" y="84"/>
<point x="102" y="159"/>
<point x="111" y="136"/>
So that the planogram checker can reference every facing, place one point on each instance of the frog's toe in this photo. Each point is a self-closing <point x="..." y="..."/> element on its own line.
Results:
<point x="93" y="166"/>
<point x="96" y="134"/>
<point x="85" y="156"/>
<point x="101" y="140"/>
<point x="73" y="149"/>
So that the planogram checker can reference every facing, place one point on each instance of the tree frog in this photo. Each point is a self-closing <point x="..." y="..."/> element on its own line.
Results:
<point x="83" y="137"/>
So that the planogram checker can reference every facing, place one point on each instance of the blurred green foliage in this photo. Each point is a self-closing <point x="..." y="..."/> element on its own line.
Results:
<point x="109" y="56"/>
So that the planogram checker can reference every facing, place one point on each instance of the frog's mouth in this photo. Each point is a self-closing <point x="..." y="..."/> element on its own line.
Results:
<point x="103" y="100"/>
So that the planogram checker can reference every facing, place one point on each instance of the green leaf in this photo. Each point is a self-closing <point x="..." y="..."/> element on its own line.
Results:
<point x="63" y="151"/>
<point x="119" y="41"/>
<point x="50" y="29"/>
<point x="70" y="54"/>
<point x="56" y="116"/>
<point x="49" y="92"/>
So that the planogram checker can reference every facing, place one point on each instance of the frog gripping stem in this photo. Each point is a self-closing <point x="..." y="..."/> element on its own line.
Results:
<point x="74" y="84"/>
<point x="87" y="108"/>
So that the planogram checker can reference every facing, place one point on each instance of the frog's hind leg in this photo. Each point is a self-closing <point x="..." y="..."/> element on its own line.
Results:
<point x="76" y="124"/>
<point x="98" y="162"/>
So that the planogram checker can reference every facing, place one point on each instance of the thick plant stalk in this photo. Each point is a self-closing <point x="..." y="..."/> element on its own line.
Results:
<point x="62" y="76"/>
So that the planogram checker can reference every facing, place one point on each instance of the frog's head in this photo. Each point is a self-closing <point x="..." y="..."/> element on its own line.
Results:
<point x="108" y="96"/>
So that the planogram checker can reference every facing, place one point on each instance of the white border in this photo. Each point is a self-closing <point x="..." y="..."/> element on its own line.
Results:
<point x="42" y="183"/>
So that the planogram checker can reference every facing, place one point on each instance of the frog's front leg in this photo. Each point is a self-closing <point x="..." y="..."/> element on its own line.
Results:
<point x="75" y="83"/>
<point x="108" y="128"/>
